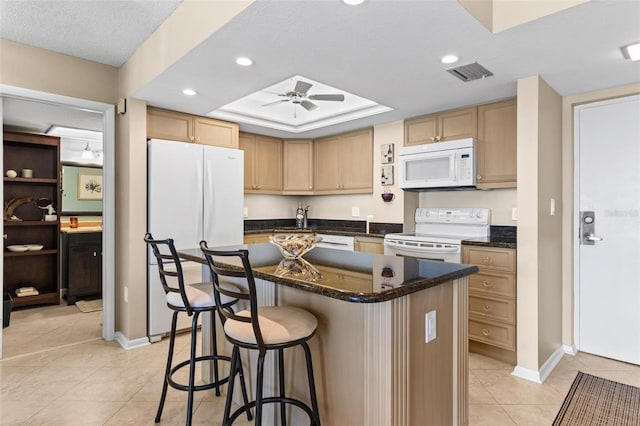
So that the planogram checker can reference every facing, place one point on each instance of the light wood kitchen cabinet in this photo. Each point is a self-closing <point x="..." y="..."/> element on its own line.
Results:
<point x="262" y="163"/>
<point x="369" y="245"/>
<point x="448" y="125"/>
<point x="344" y="163"/>
<point x="256" y="238"/>
<point x="496" y="145"/>
<point x="177" y="126"/>
<point x="298" y="166"/>
<point x="492" y="301"/>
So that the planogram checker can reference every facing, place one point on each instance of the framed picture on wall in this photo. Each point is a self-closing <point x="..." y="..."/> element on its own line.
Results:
<point x="89" y="187"/>
<point x="386" y="153"/>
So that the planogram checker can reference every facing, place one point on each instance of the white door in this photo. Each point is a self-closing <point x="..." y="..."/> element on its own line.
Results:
<point x="607" y="138"/>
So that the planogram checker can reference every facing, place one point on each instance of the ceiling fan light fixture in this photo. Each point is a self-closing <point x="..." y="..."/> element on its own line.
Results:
<point x="631" y="51"/>
<point x="244" y="61"/>
<point x="353" y="2"/>
<point x="189" y="92"/>
<point x="449" y="59"/>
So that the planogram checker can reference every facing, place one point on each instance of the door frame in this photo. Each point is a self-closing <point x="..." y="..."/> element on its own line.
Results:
<point x="576" y="209"/>
<point x="108" y="214"/>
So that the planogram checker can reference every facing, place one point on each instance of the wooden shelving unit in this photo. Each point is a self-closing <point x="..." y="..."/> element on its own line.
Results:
<point x="39" y="269"/>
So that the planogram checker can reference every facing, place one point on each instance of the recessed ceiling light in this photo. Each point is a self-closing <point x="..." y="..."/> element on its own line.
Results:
<point x="353" y="2"/>
<point x="631" y="51"/>
<point x="189" y="92"/>
<point x="69" y="132"/>
<point x="244" y="61"/>
<point x="449" y="59"/>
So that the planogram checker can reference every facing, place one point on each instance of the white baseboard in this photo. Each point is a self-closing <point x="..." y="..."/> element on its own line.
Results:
<point x="539" y="376"/>
<point x="131" y="344"/>
<point x="570" y="350"/>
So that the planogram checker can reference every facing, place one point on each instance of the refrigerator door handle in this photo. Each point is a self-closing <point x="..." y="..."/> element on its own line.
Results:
<point x="199" y="213"/>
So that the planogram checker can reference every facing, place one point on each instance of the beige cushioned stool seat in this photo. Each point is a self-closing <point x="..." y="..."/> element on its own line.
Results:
<point x="278" y="324"/>
<point x="200" y="295"/>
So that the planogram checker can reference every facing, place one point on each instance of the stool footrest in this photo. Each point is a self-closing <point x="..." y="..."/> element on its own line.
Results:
<point x="205" y="386"/>
<point x="273" y="400"/>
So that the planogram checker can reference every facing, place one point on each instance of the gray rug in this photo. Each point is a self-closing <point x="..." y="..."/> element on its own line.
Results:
<point x="89" y="305"/>
<point x="596" y="401"/>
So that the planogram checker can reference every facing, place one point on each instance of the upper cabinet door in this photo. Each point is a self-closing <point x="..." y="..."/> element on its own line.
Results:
<point x="497" y="143"/>
<point x="268" y="164"/>
<point x="208" y="131"/>
<point x="298" y="166"/>
<point x="170" y="125"/>
<point x="421" y="130"/>
<point x="326" y="169"/>
<point x="357" y="160"/>
<point x="458" y="124"/>
<point x="246" y="142"/>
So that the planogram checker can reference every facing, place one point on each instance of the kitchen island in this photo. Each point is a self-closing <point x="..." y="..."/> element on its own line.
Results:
<point x="371" y="361"/>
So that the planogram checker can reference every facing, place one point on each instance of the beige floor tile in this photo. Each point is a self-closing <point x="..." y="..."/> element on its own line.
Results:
<point x="478" y="394"/>
<point x="561" y="380"/>
<point x="507" y="389"/>
<point x="77" y="413"/>
<point x="488" y="415"/>
<point x="593" y="362"/>
<point x="532" y="415"/>
<point x="481" y="362"/>
<point x="628" y="377"/>
<point x="17" y="412"/>
<point x="49" y="391"/>
<point x="144" y="413"/>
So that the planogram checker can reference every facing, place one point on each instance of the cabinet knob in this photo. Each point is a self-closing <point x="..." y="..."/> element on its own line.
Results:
<point x="486" y="308"/>
<point x="94" y="254"/>
<point x="485" y="332"/>
<point x="486" y="284"/>
<point x="479" y="177"/>
<point x="310" y="186"/>
<point x="487" y="260"/>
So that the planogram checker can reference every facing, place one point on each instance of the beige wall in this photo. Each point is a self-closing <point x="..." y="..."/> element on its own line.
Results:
<point x="568" y="184"/>
<point x="539" y="264"/>
<point x="45" y="71"/>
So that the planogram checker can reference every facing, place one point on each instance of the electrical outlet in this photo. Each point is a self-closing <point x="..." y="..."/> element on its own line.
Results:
<point x="245" y="212"/>
<point x="429" y="326"/>
<point x="514" y="213"/>
<point x="355" y="211"/>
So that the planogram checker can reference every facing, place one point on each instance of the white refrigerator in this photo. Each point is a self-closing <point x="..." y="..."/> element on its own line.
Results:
<point x="194" y="193"/>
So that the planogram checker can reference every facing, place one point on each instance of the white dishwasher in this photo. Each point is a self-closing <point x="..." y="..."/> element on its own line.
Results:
<point x="337" y="242"/>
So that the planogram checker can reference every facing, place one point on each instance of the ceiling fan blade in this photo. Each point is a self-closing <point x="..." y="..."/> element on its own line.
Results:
<point x="327" y="97"/>
<point x="276" y="102"/>
<point x="309" y="106"/>
<point x="302" y="87"/>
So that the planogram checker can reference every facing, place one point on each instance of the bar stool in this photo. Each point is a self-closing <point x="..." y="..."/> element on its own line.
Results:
<point x="193" y="299"/>
<point x="263" y="329"/>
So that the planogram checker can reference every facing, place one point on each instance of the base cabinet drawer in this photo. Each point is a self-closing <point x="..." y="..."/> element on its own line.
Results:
<point x="492" y="309"/>
<point x="488" y="284"/>
<point x="491" y="259"/>
<point x="500" y="335"/>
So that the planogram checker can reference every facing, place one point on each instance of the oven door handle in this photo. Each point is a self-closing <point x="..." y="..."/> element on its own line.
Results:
<point x="419" y="249"/>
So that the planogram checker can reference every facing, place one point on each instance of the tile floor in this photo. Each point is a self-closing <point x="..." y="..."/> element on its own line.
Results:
<point x="93" y="382"/>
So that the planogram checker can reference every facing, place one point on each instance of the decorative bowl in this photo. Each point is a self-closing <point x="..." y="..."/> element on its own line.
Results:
<point x="293" y="246"/>
<point x="18" y="248"/>
<point x="34" y="247"/>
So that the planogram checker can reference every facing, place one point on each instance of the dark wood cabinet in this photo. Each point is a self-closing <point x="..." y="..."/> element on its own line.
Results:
<point x="82" y="265"/>
<point x="24" y="222"/>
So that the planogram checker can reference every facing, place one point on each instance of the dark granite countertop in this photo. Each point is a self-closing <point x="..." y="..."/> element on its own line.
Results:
<point x="349" y="276"/>
<point x="355" y="228"/>
<point x="500" y="236"/>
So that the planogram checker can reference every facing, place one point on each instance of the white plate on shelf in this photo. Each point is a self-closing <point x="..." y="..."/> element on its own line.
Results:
<point x="18" y="248"/>
<point x="34" y="247"/>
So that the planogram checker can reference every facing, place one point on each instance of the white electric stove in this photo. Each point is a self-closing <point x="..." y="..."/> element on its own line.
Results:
<point x="439" y="233"/>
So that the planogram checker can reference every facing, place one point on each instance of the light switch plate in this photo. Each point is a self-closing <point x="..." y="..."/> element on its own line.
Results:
<point x="245" y="212"/>
<point x="355" y="211"/>
<point x="514" y="213"/>
<point x="429" y="326"/>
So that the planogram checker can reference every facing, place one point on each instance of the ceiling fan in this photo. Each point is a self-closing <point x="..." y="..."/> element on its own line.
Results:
<point x="300" y="96"/>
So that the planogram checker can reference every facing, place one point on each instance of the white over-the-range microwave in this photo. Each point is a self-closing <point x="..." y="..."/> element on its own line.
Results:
<point x="439" y="165"/>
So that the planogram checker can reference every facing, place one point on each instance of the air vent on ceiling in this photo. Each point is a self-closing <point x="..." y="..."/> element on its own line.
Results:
<point x="470" y="72"/>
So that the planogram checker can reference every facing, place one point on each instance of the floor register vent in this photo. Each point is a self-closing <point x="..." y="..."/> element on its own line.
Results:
<point x="470" y="72"/>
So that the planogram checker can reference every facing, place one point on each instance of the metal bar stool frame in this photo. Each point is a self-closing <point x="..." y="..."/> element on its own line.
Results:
<point x="172" y="257"/>
<point x="246" y="272"/>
